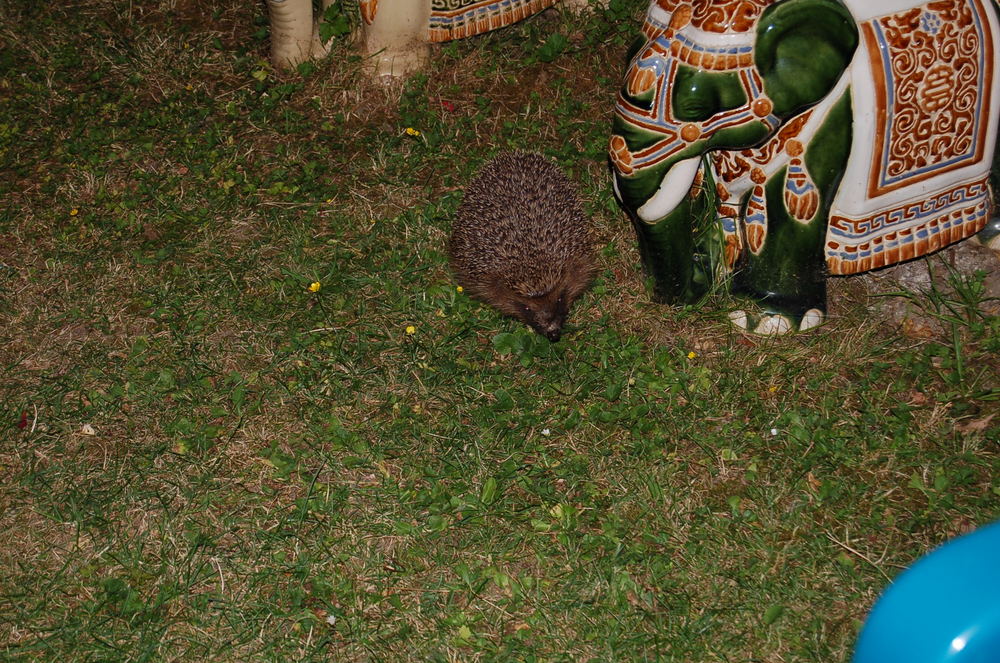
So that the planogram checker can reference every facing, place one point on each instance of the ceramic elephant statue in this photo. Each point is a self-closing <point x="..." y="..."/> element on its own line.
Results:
<point x="396" y="34"/>
<point x="764" y="145"/>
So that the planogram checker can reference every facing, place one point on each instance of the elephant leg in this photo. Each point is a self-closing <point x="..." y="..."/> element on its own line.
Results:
<point x="291" y="31"/>
<point x="682" y="252"/>
<point x="784" y="273"/>
<point x="786" y="281"/>
<point x="396" y="38"/>
<point x="294" y="37"/>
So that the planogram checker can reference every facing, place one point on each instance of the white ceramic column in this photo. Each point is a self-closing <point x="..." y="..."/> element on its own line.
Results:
<point x="291" y="31"/>
<point x="395" y="35"/>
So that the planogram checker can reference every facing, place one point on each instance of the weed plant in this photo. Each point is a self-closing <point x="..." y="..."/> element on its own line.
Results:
<point x="247" y="416"/>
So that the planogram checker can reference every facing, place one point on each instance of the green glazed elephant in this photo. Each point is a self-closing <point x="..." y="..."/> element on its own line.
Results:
<point x="766" y="145"/>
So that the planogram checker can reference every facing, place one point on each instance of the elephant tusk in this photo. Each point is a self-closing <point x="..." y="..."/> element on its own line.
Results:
<point x="675" y="185"/>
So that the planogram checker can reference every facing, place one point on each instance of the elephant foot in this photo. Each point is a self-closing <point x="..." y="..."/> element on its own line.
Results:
<point x="776" y="324"/>
<point x="394" y="39"/>
<point x="390" y="64"/>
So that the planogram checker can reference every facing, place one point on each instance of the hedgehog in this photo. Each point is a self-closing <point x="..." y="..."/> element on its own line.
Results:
<point x="522" y="243"/>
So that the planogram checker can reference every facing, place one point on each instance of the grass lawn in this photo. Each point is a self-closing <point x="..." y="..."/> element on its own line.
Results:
<point x="204" y="459"/>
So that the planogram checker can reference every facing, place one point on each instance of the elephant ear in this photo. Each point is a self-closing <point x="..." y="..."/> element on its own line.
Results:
<point x="802" y="48"/>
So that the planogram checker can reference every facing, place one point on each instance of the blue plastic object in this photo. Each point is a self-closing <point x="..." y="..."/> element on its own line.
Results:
<point x="943" y="609"/>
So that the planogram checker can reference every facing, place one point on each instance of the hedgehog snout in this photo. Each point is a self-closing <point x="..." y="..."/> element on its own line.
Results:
<point x="548" y="321"/>
<point x="551" y="331"/>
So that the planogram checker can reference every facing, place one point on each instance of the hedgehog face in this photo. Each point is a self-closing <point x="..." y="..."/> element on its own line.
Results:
<point x="545" y="313"/>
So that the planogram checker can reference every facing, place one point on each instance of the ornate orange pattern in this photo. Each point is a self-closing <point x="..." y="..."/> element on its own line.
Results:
<point x="715" y="16"/>
<point x="657" y="118"/>
<point x="368" y="10"/>
<point x="932" y="66"/>
<point x="907" y="231"/>
<point x="730" y="165"/>
<point x="732" y="16"/>
<point x="456" y="19"/>
<point x="702" y="57"/>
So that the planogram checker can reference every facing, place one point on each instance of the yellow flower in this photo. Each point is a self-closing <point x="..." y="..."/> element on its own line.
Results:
<point x="74" y="212"/>
<point x="692" y="354"/>
<point x="459" y="289"/>
<point x="410" y="131"/>
<point x="411" y="329"/>
<point x="315" y="286"/>
<point x="772" y="389"/>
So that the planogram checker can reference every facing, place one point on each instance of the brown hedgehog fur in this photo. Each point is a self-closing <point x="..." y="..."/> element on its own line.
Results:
<point x="521" y="242"/>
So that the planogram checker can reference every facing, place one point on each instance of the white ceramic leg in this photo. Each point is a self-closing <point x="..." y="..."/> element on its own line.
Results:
<point x="396" y="39"/>
<point x="294" y="37"/>
<point x="291" y="31"/>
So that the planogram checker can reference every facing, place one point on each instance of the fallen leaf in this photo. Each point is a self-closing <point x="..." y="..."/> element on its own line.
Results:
<point x="976" y="425"/>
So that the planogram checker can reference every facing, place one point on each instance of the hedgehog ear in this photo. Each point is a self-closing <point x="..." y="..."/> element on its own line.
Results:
<point x="578" y="277"/>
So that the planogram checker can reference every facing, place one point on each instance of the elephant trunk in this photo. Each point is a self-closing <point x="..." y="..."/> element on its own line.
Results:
<point x="673" y="188"/>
